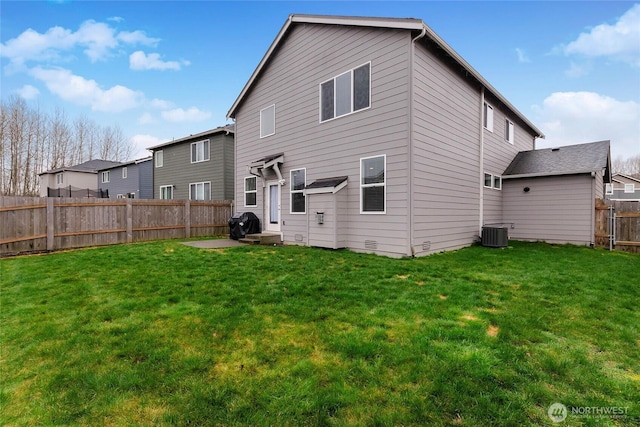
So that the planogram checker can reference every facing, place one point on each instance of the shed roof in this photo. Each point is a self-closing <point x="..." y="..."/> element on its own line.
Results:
<point x="567" y="160"/>
<point x="230" y="128"/>
<point x="91" y="166"/>
<point x="130" y="162"/>
<point x="410" y="24"/>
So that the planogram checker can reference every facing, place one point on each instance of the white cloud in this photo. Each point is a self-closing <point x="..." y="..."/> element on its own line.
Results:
<point x="116" y="19"/>
<point x="146" y="119"/>
<point x="619" y="41"/>
<point x="577" y="70"/>
<point x="522" y="56"/>
<point x="97" y="38"/>
<point x="27" y="92"/>
<point x="577" y="117"/>
<point x="81" y="91"/>
<point x="140" y="143"/>
<point x="140" y="61"/>
<point x="161" y="104"/>
<point x="193" y="114"/>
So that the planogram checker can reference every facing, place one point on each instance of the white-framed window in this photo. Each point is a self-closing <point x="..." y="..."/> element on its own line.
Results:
<point x="487" y="117"/>
<point x="345" y="94"/>
<point x="298" y="181"/>
<point x="373" y="184"/>
<point x="250" y="192"/>
<point x="131" y="195"/>
<point x="159" y="158"/>
<point x="268" y="121"/>
<point x="492" y="181"/>
<point x="200" y="191"/>
<point x="629" y="188"/>
<point x="105" y="176"/>
<point x="121" y="196"/>
<point x="200" y="151"/>
<point x="509" y="130"/>
<point x="166" y="192"/>
<point x="59" y="178"/>
<point x="124" y="172"/>
<point x="608" y="188"/>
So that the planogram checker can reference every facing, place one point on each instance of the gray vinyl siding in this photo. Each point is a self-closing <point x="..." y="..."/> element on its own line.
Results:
<point x="310" y="55"/>
<point x="555" y="209"/>
<point x="145" y="179"/>
<point x="445" y="157"/>
<point x="177" y="169"/>
<point x="118" y="185"/>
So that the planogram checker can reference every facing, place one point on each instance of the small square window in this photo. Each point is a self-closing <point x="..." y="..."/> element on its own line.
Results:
<point x="488" y="180"/>
<point x="166" y="192"/>
<point x="629" y="188"/>
<point x="497" y="182"/>
<point x="608" y="188"/>
<point x="200" y="151"/>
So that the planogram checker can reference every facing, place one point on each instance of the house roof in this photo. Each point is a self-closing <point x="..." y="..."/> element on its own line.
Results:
<point x="616" y="177"/>
<point x="91" y="166"/>
<point x="410" y="24"/>
<point x="230" y="128"/>
<point x="567" y="160"/>
<point x="131" y="162"/>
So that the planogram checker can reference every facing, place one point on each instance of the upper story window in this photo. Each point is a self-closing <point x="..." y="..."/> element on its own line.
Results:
<point x="608" y="188"/>
<point x="268" y="121"/>
<point x="105" y="176"/>
<point x="298" y="182"/>
<point x="346" y="93"/>
<point x="200" y="151"/>
<point x="509" y="130"/>
<point x="492" y="181"/>
<point x="629" y="188"/>
<point x="373" y="185"/>
<point x="59" y="178"/>
<point x="159" y="158"/>
<point x="487" y="117"/>
<point x="250" y="192"/>
<point x="124" y="172"/>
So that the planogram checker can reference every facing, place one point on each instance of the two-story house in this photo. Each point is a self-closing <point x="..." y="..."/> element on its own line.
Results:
<point x="623" y="187"/>
<point x="372" y="134"/>
<point x="132" y="179"/>
<point x="74" y="181"/>
<point x="196" y="167"/>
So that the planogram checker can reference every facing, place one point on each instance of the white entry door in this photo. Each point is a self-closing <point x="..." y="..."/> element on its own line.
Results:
<point x="272" y="207"/>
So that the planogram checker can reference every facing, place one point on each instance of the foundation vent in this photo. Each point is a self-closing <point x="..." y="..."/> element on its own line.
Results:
<point x="426" y="246"/>
<point x="299" y="238"/>
<point x="371" y="244"/>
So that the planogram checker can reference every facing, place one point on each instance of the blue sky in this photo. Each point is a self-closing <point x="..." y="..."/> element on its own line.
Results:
<point x="163" y="70"/>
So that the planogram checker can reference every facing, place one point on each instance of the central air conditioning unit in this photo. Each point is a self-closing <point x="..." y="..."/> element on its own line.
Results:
<point x="495" y="237"/>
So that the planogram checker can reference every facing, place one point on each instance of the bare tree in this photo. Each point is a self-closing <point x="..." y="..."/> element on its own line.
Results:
<point x="628" y="166"/>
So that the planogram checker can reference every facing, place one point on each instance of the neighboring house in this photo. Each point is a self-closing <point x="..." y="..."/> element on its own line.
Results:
<point x="80" y="180"/>
<point x="197" y="167"/>
<point x="372" y="134"/>
<point x="623" y="187"/>
<point x="550" y="194"/>
<point x="132" y="179"/>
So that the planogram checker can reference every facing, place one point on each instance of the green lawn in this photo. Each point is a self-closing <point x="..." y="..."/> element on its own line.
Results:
<point x="165" y="334"/>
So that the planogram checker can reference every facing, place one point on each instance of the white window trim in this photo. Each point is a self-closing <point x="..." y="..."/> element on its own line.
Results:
<point x="163" y="187"/>
<point x="629" y="188"/>
<point x="124" y="172"/>
<point x="608" y="188"/>
<point x="207" y="153"/>
<point x="494" y="178"/>
<point x="120" y="196"/>
<point x="334" y="94"/>
<point x="274" y="120"/>
<point x="192" y="184"/>
<point x="159" y="158"/>
<point x="384" y="185"/>
<point x="510" y="130"/>
<point x="245" y="192"/>
<point x="292" y="192"/>
<point x="486" y="109"/>
<point x="107" y="175"/>
<point x="60" y="178"/>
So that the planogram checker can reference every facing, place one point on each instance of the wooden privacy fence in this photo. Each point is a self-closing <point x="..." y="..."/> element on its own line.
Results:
<point x="35" y="224"/>
<point x="617" y="225"/>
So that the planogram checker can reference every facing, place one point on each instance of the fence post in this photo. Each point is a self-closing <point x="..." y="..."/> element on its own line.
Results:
<point x="187" y="219"/>
<point x="50" y="224"/>
<point x="129" y="220"/>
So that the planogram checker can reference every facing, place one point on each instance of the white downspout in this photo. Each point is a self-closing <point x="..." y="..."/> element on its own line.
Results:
<point x="481" y="180"/>
<point x="411" y="250"/>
